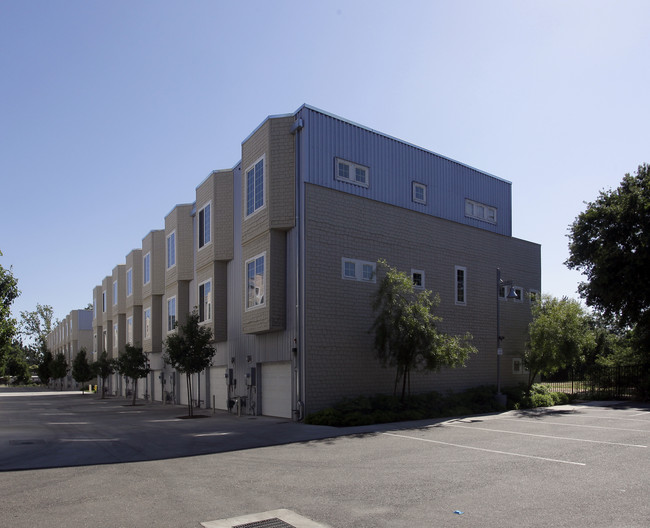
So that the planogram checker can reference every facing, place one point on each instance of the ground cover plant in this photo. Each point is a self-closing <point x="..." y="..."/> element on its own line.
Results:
<point x="382" y="408"/>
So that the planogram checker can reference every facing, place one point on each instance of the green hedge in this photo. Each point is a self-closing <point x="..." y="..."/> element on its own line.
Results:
<point x="382" y="408"/>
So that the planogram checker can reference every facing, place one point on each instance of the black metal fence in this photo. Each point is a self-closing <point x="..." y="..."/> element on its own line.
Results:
<point x="594" y="382"/>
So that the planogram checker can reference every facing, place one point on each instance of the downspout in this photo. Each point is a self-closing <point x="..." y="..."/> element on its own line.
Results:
<point x="299" y="348"/>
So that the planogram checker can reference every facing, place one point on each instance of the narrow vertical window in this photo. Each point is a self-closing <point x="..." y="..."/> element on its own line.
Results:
<point x="205" y="301"/>
<point x="204" y="226"/>
<point x="418" y="278"/>
<point x="129" y="282"/>
<point x="115" y="343"/>
<point x="104" y="301"/>
<point x="146" y="271"/>
<point x="114" y="293"/>
<point x="147" y="323"/>
<point x="171" y="314"/>
<point x="461" y="285"/>
<point x="171" y="250"/>
<point x="256" y="282"/>
<point x="129" y="330"/>
<point x="255" y="187"/>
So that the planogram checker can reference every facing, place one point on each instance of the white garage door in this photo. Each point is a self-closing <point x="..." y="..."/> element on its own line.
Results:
<point x="276" y="389"/>
<point x="218" y="388"/>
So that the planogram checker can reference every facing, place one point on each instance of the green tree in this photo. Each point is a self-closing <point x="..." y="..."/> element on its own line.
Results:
<point x="81" y="369"/>
<point x="8" y="327"/>
<point x="103" y="367"/>
<point x="559" y="336"/>
<point x="610" y="245"/>
<point x="36" y="326"/>
<point x="189" y="350"/>
<point x="59" y="368"/>
<point x="16" y="366"/>
<point x="44" y="368"/>
<point x="133" y="364"/>
<point x="406" y="333"/>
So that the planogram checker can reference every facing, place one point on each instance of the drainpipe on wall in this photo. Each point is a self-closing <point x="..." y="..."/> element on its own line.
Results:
<point x="299" y="347"/>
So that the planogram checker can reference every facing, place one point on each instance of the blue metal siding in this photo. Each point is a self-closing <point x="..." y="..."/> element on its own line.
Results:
<point x="393" y="166"/>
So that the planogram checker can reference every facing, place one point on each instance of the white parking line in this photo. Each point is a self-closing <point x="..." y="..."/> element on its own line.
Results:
<point x="487" y="450"/>
<point x="212" y="434"/>
<point x="575" y="425"/>
<point x="165" y="420"/>
<point x="68" y="423"/>
<point x="543" y="436"/>
<point x="89" y="440"/>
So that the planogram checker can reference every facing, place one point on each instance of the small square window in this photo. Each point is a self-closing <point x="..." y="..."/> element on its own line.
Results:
<point x="533" y="296"/>
<point x="419" y="193"/>
<point x="368" y="271"/>
<point x="349" y="269"/>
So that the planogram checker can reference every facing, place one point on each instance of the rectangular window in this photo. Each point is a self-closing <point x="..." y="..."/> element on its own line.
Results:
<point x="171" y="250"/>
<point x="114" y="293"/>
<point x="104" y="301"/>
<point x="146" y="268"/>
<point x="105" y="340"/>
<point x="255" y="187"/>
<point x="129" y="282"/>
<point x="94" y="308"/>
<point x="205" y="301"/>
<point x="351" y="173"/>
<point x="204" y="226"/>
<point x="147" y="323"/>
<point x="256" y="280"/>
<point x="517" y="366"/>
<point x="519" y="293"/>
<point x="115" y="343"/>
<point x="461" y="283"/>
<point x="534" y="296"/>
<point x="418" y="278"/>
<point x="419" y="192"/>
<point x="480" y="211"/>
<point x="129" y="330"/>
<point x="358" y="270"/>
<point x="171" y="314"/>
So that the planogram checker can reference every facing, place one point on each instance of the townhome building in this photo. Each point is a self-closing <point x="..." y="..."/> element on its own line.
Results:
<point x="69" y="336"/>
<point x="153" y="291"/>
<point x="279" y="255"/>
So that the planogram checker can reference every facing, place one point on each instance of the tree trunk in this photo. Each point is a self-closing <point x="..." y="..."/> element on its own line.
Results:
<point x="189" y="395"/>
<point x="135" y="389"/>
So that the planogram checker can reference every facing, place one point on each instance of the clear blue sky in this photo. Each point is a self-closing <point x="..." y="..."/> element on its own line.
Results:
<point x="111" y="112"/>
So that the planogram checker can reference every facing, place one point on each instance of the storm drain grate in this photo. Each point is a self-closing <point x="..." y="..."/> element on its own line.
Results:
<point x="268" y="523"/>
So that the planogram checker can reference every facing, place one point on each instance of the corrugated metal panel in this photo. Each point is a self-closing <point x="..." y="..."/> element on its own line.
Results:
<point x="394" y="165"/>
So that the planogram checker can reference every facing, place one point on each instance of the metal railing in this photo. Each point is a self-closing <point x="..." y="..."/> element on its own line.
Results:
<point x="596" y="382"/>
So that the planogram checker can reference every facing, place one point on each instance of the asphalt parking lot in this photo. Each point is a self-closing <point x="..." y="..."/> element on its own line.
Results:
<point x="72" y="461"/>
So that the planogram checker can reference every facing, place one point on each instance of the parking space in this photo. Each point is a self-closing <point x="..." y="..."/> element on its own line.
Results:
<point x="572" y="466"/>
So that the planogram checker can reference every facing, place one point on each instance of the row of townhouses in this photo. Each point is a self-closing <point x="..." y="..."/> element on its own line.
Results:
<point x="278" y="254"/>
<point x="71" y="334"/>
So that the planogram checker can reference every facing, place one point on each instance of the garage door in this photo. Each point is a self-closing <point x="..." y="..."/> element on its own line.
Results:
<point x="218" y="388"/>
<point x="276" y="389"/>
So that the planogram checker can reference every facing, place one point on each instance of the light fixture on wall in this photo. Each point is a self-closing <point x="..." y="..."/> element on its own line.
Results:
<point x="512" y="294"/>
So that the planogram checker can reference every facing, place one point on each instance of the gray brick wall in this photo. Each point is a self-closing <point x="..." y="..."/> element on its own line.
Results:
<point x="340" y="358"/>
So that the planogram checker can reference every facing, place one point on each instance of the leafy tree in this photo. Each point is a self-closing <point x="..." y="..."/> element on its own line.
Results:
<point x="59" y="367"/>
<point x="133" y="364"/>
<point x="16" y="366"/>
<point x="610" y="245"/>
<point x="103" y="367"/>
<point x="559" y="336"/>
<point x="406" y="336"/>
<point x="44" y="368"/>
<point x="81" y="369"/>
<point x="189" y="350"/>
<point x="37" y="325"/>
<point x="8" y="293"/>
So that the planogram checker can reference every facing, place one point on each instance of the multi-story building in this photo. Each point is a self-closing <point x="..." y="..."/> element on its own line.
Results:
<point x="69" y="336"/>
<point x="279" y="256"/>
